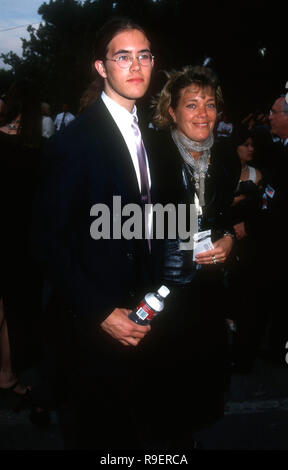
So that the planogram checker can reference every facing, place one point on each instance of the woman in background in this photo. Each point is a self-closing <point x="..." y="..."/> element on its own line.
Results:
<point x="20" y="143"/>
<point x="245" y="278"/>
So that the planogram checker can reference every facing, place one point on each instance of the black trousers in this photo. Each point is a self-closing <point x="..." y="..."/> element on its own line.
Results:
<point x="114" y="397"/>
<point x="105" y="393"/>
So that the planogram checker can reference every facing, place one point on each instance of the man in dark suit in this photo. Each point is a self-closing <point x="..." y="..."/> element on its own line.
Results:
<point x="94" y="282"/>
<point x="274" y="230"/>
<point x="271" y="230"/>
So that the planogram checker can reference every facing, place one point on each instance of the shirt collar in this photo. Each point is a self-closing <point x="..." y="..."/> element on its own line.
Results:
<point x="117" y="109"/>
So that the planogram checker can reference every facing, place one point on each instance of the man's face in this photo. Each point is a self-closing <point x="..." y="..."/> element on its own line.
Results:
<point x="278" y="119"/>
<point x="125" y="85"/>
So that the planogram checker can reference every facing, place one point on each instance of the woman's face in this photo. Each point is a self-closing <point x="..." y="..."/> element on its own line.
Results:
<point x="195" y="114"/>
<point x="246" y="150"/>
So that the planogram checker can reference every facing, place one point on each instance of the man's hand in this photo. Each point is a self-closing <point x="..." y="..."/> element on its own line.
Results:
<point x="120" y="327"/>
<point x="219" y="254"/>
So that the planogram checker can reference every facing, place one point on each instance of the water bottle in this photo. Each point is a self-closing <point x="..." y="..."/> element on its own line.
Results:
<point x="150" y="306"/>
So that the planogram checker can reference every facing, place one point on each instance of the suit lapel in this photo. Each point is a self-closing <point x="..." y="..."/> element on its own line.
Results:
<point x="105" y="132"/>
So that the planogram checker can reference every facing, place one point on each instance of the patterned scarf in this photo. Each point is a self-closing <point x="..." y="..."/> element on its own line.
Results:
<point x="199" y="167"/>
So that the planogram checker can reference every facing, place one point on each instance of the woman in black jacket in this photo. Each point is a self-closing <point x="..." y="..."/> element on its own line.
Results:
<point x="192" y="172"/>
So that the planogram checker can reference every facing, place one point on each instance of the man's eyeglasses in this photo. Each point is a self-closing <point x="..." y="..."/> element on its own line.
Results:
<point x="124" y="61"/>
<point x="272" y="112"/>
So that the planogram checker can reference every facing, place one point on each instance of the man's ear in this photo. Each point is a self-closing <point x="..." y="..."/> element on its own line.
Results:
<point x="100" y="67"/>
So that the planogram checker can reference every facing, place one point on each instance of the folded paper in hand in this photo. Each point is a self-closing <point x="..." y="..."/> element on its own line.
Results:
<point x="202" y="242"/>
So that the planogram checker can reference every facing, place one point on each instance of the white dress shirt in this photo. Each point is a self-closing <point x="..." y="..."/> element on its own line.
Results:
<point x="124" y="121"/>
<point x="69" y="117"/>
<point x="48" y="127"/>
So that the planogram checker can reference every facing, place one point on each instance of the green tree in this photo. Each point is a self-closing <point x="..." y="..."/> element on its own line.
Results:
<point x="58" y="55"/>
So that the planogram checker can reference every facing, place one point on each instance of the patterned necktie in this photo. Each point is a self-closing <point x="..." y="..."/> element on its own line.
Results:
<point x="145" y="190"/>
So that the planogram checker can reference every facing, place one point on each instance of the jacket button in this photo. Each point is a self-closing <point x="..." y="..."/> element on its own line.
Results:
<point x="131" y="293"/>
<point x="130" y="256"/>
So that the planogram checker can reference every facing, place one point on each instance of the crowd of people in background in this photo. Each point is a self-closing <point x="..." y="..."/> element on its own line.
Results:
<point x="253" y="282"/>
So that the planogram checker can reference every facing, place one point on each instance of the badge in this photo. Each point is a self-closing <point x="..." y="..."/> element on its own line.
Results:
<point x="269" y="191"/>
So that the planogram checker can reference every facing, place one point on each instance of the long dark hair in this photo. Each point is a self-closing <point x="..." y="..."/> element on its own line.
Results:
<point x="23" y="99"/>
<point x="105" y="35"/>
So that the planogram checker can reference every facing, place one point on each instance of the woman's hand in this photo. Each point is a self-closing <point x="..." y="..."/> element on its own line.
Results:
<point x="219" y="254"/>
<point x="240" y="231"/>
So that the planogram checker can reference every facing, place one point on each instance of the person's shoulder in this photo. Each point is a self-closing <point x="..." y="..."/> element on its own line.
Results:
<point x="82" y="129"/>
<point x="276" y="159"/>
<point x="223" y="154"/>
<point x="160" y="138"/>
<point x="163" y="146"/>
<point x="165" y="157"/>
<point x="47" y="119"/>
<point x="87" y="115"/>
<point x="279" y="148"/>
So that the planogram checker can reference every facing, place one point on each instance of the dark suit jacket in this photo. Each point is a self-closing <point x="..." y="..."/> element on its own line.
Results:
<point x="86" y="164"/>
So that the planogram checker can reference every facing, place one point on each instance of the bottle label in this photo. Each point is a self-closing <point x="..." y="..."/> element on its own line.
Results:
<point x="144" y="311"/>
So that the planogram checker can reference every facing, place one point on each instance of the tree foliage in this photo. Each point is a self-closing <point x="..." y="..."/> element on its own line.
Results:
<point x="58" y="55"/>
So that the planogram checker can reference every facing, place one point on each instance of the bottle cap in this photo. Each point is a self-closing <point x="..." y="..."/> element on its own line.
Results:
<point x="163" y="291"/>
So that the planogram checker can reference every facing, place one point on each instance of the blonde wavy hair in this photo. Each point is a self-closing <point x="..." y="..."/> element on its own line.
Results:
<point x="198" y="75"/>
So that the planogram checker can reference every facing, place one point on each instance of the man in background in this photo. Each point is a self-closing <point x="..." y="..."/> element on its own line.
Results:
<point x="64" y="118"/>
